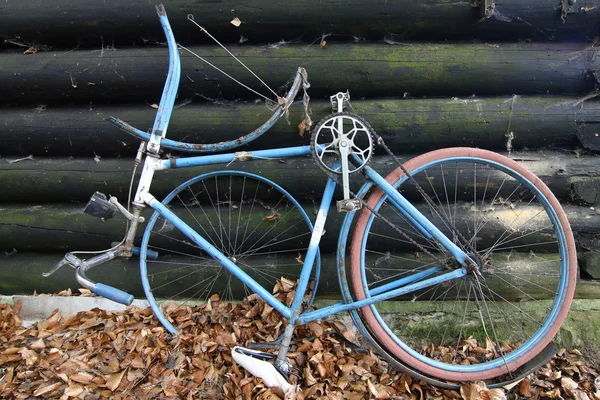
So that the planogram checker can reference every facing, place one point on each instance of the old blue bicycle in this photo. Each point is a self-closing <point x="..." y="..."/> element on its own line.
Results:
<point x="483" y="269"/>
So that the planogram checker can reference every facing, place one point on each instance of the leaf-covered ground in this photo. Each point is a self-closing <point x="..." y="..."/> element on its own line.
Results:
<point x="129" y="355"/>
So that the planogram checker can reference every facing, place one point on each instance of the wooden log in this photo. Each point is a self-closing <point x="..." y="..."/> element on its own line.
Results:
<point x="570" y="177"/>
<point x="462" y="69"/>
<point x="65" y="227"/>
<point x="590" y="264"/>
<point x="414" y="125"/>
<point x="72" y="23"/>
<point x="59" y="227"/>
<point x="22" y="274"/>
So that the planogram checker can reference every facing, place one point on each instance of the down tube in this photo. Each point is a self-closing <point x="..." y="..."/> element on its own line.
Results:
<point x="220" y="257"/>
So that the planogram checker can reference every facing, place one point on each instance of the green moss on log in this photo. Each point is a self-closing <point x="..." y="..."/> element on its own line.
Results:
<point x="406" y="125"/>
<point x="75" y="179"/>
<point x="366" y="70"/>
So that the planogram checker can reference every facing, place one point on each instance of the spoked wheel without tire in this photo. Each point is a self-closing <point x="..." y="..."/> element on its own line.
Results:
<point x="493" y="320"/>
<point x="251" y="220"/>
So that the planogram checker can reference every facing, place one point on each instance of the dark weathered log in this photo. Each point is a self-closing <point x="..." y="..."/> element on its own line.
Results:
<point x="406" y="125"/>
<point x="21" y="273"/>
<point x="75" y="179"/>
<point x="588" y="133"/>
<point x="590" y="264"/>
<point x="129" y="75"/>
<point x="65" y="227"/>
<point x="70" y="22"/>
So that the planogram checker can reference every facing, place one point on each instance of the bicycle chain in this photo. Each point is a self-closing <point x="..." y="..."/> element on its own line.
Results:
<point x="397" y="229"/>
<point x="427" y="198"/>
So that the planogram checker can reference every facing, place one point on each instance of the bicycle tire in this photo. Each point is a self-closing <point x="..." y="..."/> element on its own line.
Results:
<point x="250" y="219"/>
<point x="408" y="333"/>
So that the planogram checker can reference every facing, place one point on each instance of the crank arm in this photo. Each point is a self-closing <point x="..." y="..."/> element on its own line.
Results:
<point x="344" y="150"/>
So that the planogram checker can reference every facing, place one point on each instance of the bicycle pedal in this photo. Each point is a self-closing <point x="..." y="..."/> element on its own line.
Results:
<point x="250" y="360"/>
<point x="100" y="207"/>
<point x="339" y="101"/>
<point x="288" y="370"/>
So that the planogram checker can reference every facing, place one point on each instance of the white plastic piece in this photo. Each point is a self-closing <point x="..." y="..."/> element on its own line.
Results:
<point x="261" y="369"/>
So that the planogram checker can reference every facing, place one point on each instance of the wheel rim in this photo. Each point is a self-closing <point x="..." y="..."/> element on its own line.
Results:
<point x="255" y="222"/>
<point x="551" y="314"/>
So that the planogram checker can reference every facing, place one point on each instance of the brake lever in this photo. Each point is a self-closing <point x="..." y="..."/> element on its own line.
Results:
<point x="60" y="264"/>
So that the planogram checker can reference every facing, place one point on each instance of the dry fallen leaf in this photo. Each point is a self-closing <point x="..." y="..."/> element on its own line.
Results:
<point x="580" y="395"/>
<point x="272" y="217"/>
<point x="525" y="388"/>
<point x="82" y="377"/>
<point x="114" y="380"/>
<point x="74" y="390"/>
<point x="302" y="127"/>
<point x="470" y="391"/>
<point x="552" y="394"/>
<point x="46" y="389"/>
<point x="38" y="345"/>
<point x="568" y="384"/>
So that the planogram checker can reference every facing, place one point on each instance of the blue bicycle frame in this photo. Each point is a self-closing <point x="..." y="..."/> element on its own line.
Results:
<point x="155" y="140"/>
<point x="151" y="146"/>
<point x="391" y="290"/>
<point x="293" y="313"/>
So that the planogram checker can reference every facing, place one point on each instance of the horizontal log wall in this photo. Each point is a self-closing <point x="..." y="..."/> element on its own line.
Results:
<point x="373" y="70"/>
<point x="570" y="175"/>
<point x="22" y="273"/>
<point x="72" y="22"/>
<point x="406" y="125"/>
<point x="425" y="75"/>
<point x="66" y="227"/>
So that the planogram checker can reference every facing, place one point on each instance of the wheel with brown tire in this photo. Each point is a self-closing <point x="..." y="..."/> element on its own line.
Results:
<point x="494" y="319"/>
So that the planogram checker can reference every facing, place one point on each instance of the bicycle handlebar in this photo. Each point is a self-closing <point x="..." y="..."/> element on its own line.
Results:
<point x="81" y="266"/>
<point x="113" y="294"/>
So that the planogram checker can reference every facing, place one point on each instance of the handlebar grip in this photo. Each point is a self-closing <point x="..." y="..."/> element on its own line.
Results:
<point x="113" y="294"/>
<point x="150" y="254"/>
